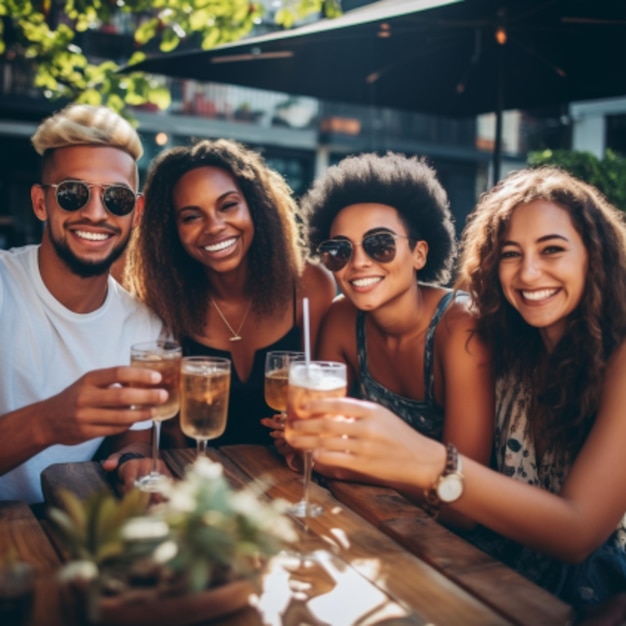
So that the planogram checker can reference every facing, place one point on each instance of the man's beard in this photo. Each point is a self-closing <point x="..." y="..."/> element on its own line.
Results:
<point x="82" y="268"/>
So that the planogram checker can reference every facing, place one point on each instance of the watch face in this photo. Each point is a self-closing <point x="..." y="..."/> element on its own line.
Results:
<point x="450" y="488"/>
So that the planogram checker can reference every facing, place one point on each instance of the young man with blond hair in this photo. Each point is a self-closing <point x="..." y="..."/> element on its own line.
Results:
<point x="67" y="324"/>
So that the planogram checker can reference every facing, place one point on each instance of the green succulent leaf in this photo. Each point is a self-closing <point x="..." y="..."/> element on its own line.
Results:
<point x="108" y="522"/>
<point x="74" y="509"/>
<point x="71" y="537"/>
<point x="108" y="551"/>
<point x="133" y="504"/>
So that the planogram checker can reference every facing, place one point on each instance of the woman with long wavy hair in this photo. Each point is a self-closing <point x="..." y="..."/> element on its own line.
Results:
<point x="218" y="256"/>
<point x="544" y="259"/>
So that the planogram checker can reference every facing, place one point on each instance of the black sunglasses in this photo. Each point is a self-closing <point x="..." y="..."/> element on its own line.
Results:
<point x="73" y="195"/>
<point x="381" y="247"/>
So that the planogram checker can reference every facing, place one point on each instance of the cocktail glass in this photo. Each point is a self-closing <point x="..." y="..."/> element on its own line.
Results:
<point x="164" y="356"/>
<point x="310" y="381"/>
<point x="277" y="378"/>
<point x="204" y="391"/>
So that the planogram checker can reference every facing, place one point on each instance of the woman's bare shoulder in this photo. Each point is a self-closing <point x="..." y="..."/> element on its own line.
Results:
<point x="456" y="333"/>
<point x="342" y="309"/>
<point x="460" y="315"/>
<point x="317" y="282"/>
<point x="337" y="337"/>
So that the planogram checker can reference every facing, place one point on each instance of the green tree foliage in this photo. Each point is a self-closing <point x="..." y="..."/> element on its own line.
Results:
<point x="49" y="32"/>
<point x="607" y="174"/>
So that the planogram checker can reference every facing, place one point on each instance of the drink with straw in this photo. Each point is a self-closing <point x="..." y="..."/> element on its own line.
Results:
<point x="318" y="379"/>
<point x="310" y="381"/>
<point x="307" y="380"/>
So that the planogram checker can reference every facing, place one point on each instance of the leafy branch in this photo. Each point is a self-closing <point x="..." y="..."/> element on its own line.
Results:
<point x="607" y="174"/>
<point x="49" y="33"/>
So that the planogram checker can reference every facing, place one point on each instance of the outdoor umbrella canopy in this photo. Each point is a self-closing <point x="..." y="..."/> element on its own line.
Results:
<point x="448" y="57"/>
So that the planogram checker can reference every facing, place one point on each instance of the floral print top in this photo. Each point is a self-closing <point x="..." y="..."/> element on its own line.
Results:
<point x="603" y="573"/>
<point x="514" y="449"/>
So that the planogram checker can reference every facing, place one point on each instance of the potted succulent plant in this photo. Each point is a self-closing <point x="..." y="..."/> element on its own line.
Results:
<point x="193" y="557"/>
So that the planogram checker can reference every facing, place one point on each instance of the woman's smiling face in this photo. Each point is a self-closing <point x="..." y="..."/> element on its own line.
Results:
<point x="543" y="267"/>
<point x="365" y="282"/>
<point x="213" y="219"/>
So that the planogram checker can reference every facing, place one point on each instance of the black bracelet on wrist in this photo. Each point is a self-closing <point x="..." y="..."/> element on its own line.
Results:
<point x="128" y="456"/>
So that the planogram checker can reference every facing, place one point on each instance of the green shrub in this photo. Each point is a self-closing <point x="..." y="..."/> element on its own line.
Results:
<point x="607" y="174"/>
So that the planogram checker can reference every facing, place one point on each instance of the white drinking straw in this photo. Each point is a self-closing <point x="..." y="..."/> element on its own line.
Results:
<point x="307" y="333"/>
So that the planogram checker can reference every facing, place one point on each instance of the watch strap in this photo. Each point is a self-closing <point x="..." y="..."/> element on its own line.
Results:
<point x="128" y="456"/>
<point x="432" y="502"/>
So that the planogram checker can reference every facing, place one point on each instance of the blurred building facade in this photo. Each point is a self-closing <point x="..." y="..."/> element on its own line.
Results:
<point x="298" y="136"/>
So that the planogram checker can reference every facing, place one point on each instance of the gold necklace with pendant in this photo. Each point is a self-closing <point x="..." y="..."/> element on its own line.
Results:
<point x="235" y="334"/>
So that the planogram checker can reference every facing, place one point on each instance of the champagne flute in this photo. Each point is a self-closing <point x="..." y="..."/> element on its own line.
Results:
<point x="277" y="378"/>
<point x="310" y="381"/>
<point x="204" y="390"/>
<point x="163" y="356"/>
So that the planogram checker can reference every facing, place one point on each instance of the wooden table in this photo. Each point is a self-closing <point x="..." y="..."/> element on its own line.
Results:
<point x="379" y="558"/>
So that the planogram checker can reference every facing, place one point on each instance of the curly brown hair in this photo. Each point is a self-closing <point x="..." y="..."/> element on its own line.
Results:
<point x="566" y="383"/>
<point x="174" y="285"/>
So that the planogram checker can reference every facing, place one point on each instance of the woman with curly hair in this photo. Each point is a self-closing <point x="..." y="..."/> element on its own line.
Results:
<point x="218" y="257"/>
<point x="382" y="225"/>
<point x="544" y="258"/>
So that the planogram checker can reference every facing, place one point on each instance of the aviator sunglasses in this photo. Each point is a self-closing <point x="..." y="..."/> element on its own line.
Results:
<point x="381" y="247"/>
<point x="73" y="195"/>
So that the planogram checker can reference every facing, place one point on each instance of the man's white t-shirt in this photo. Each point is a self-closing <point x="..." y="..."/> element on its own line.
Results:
<point x="45" y="347"/>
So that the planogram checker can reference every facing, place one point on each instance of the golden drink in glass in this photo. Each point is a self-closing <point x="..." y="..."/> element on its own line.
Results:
<point x="163" y="356"/>
<point x="299" y="396"/>
<point x="309" y="381"/>
<point x="169" y="368"/>
<point x="204" y="391"/>
<point x="276" y="383"/>
<point x="277" y="378"/>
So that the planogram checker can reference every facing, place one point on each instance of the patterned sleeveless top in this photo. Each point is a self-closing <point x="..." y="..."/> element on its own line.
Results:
<point x="603" y="572"/>
<point x="423" y="415"/>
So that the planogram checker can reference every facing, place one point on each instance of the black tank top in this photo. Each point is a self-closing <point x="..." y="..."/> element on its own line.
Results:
<point x="246" y="403"/>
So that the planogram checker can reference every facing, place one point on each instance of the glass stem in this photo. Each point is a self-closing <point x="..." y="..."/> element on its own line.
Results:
<point x="202" y="447"/>
<point x="306" y="480"/>
<point x="156" y="436"/>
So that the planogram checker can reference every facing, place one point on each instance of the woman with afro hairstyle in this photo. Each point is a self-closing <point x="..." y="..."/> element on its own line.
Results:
<point x="382" y="225"/>
<point x="544" y="258"/>
<point x="219" y="258"/>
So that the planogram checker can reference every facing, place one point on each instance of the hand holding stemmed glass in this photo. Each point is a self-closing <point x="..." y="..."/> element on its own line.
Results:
<point x="164" y="356"/>
<point x="204" y="391"/>
<point x="310" y="381"/>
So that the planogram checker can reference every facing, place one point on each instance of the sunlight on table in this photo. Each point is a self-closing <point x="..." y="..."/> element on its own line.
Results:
<point x="318" y="588"/>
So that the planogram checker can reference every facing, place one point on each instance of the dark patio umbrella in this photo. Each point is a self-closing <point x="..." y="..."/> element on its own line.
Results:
<point x="449" y="57"/>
